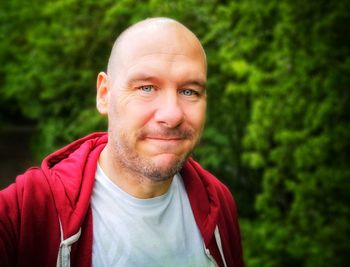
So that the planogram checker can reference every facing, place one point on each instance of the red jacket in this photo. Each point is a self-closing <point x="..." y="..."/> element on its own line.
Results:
<point x="45" y="216"/>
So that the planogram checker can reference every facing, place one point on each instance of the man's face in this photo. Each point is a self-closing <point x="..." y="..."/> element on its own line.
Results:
<point x="156" y="106"/>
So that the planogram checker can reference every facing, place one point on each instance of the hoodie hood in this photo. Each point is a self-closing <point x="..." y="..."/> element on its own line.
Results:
<point x="72" y="174"/>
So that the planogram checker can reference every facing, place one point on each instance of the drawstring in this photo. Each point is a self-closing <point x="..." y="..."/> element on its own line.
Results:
<point x="218" y="242"/>
<point x="63" y="258"/>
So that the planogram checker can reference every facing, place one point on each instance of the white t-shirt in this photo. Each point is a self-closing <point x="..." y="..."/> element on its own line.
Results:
<point x="133" y="232"/>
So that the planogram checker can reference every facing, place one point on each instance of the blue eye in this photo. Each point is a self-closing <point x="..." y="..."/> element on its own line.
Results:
<point x="147" y="88"/>
<point x="188" y="92"/>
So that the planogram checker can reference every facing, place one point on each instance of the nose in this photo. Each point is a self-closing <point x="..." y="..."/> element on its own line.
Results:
<point x="169" y="112"/>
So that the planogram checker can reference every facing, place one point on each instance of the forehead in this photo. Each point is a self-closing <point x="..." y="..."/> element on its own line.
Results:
<point x="165" y="68"/>
<point x="159" y="44"/>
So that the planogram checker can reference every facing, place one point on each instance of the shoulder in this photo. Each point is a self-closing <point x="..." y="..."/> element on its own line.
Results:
<point x="30" y="186"/>
<point x="27" y="216"/>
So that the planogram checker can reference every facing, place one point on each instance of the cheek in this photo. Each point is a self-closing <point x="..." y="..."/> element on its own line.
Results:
<point x="196" y="116"/>
<point x="131" y="116"/>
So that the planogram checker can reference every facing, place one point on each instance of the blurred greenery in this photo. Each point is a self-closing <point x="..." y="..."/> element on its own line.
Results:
<point x="278" y="113"/>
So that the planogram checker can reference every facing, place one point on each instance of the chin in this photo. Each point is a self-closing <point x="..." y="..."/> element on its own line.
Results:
<point x="167" y="159"/>
<point x="169" y="164"/>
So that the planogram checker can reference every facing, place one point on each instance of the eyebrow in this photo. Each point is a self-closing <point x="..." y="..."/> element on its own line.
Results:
<point x="142" y="78"/>
<point x="149" y="78"/>
<point x="200" y="83"/>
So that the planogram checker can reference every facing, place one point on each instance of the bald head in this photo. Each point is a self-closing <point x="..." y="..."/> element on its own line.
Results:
<point x="154" y="35"/>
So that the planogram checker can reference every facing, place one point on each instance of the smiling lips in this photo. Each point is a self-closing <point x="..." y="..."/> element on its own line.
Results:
<point x="162" y="138"/>
<point x="167" y="141"/>
<point x="167" y="135"/>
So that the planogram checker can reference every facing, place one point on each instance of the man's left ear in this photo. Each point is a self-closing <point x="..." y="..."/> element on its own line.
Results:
<point x="102" y="93"/>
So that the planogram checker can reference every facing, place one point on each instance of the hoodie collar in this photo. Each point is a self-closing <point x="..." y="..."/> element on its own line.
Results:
<point x="70" y="172"/>
<point x="203" y="198"/>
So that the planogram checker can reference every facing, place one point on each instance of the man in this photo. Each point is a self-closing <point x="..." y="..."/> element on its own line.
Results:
<point x="133" y="196"/>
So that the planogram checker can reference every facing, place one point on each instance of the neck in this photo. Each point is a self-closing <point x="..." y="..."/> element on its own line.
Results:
<point x="132" y="183"/>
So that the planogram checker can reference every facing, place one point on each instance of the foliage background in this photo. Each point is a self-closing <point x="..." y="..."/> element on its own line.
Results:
<point x="278" y="116"/>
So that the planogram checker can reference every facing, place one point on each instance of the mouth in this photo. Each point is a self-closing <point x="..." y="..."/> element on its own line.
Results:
<point x="166" y="142"/>
<point x="165" y="138"/>
<point x="162" y="139"/>
<point x="167" y="135"/>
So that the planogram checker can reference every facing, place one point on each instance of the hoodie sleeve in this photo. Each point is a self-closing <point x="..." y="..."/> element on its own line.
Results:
<point x="29" y="228"/>
<point x="9" y="225"/>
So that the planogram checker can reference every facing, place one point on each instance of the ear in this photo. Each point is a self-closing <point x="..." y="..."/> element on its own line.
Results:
<point x="102" y="93"/>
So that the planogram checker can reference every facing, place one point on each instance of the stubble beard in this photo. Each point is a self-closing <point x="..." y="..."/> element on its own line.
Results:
<point x="129" y="160"/>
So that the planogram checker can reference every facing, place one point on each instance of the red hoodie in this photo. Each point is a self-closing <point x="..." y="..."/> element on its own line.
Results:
<point x="46" y="218"/>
